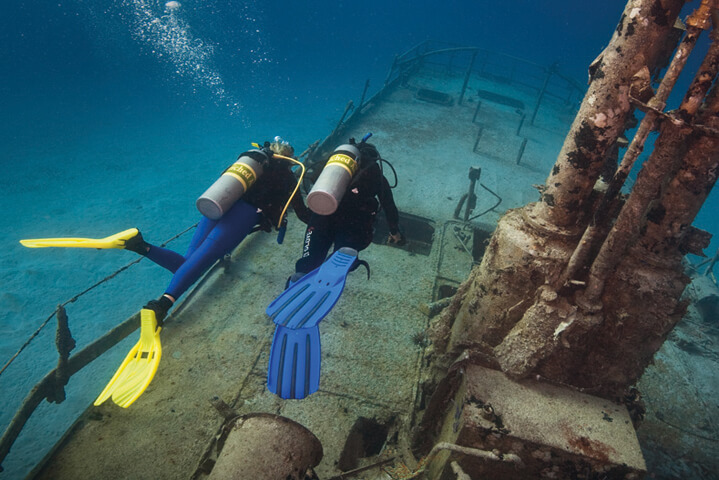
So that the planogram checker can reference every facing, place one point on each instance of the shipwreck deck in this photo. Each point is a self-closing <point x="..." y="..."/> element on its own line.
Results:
<point x="217" y="341"/>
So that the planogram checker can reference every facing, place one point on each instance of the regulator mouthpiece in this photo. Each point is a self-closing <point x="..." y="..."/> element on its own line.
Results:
<point x="282" y="147"/>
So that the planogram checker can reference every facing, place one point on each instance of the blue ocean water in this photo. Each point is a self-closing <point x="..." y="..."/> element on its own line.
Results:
<point x="119" y="113"/>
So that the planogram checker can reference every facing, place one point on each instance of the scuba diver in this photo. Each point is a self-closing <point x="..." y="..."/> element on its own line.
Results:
<point x="227" y="220"/>
<point x="252" y="194"/>
<point x="344" y="200"/>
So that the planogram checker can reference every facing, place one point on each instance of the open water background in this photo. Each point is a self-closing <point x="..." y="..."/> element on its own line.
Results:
<point x="120" y="113"/>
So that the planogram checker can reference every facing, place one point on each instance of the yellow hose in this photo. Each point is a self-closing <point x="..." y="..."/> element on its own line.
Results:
<point x="289" y="159"/>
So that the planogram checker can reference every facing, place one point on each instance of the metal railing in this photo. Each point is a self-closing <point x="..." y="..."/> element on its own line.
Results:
<point x="546" y="83"/>
<point x="52" y="386"/>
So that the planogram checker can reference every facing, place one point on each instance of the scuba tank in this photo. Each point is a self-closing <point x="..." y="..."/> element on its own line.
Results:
<point x="330" y="187"/>
<point x="232" y="184"/>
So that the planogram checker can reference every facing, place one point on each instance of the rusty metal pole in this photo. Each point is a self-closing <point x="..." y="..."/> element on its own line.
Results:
<point x="636" y="44"/>
<point x="666" y="232"/>
<point x="662" y="164"/>
<point x="606" y="210"/>
<point x="467" y="74"/>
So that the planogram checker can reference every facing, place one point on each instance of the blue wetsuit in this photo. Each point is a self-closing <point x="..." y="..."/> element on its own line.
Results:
<point x="261" y="205"/>
<point x="211" y="241"/>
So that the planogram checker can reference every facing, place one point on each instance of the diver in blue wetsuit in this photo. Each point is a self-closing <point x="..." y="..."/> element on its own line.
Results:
<point x="253" y="193"/>
<point x="261" y="207"/>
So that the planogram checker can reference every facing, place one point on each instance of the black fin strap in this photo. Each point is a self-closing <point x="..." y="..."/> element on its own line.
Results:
<point x="365" y="265"/>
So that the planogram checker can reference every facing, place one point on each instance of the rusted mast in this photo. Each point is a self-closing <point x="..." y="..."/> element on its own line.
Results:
<point x="636" y="44"/>
<point x="579" y="346"/>
<point x="604" y="350"/>
<point x="605" y="212"/>
<point x="668" y="230"/>
<point x="531" y="246"/>
<point x="662" y="163"/>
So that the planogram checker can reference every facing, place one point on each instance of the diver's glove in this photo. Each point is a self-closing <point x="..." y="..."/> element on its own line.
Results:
<point x="396" y="238"/>
<point x="265" y="224"/>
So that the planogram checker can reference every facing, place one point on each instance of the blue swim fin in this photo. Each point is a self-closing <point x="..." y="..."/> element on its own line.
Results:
<point x="294" y="369"/>
<point x="307" y="301"/>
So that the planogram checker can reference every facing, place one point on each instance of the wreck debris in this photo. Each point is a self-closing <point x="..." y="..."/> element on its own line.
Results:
<point x="662" y="163"/>
<point x="582" y="288"/>
<point x="669" y="227"/>
<point x="606" y="106"/>
<point x="263" y="445"/>
<point x="607" y="208"/>
<point x="532" y="260"/>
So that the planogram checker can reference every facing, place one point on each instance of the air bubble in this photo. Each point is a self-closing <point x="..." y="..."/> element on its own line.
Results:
<point x="170" y="36"/>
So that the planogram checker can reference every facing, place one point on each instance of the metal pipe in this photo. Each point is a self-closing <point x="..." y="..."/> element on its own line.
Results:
<point x="521" y="122"/>
<point x="661" y="163"/>
<point x="466" y="76"/>
<point x="602" y="116"/>
<point x="550" y="72"/>
<point x="438" y="52"/>
<point x="474" y="174"/>
<point x="479" y="136"/>
<point x="364" y="93"/>
<point x="476" y="112"/>
<point x="521" y="150"/>
<point x="475" y="452"/>
<point x="65" y="343"/>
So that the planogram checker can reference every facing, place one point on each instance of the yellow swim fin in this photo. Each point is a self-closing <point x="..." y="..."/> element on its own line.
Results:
<point x="118" y="240"/>
<point x="139" y="367"/>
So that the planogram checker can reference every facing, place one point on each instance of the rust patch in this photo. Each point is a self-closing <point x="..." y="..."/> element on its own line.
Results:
<point x="579" y="160"/>
<point x="657" y="213"/>
<point x="631" y="28"/>
<point x="588" y="447"/>
<point x="660" y="14"/>
<point x="620" y="25"/>
<point x="585" y="137"/>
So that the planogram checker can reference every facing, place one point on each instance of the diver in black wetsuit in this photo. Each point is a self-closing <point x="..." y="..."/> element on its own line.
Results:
<point x="260" y="207"/>
<point x="352" y="224"/>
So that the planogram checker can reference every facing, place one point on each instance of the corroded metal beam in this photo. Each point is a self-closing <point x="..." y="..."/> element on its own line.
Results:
<point x="637" y="43"/>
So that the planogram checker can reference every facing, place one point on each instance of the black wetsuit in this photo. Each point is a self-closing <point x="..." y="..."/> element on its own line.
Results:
<point x="352" y="225"/>
<point x="271" y="191"/>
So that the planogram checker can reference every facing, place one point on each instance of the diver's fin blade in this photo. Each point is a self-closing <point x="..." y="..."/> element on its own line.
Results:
<point x="118" y="377"/>
<point x="293" y="297"/>
<point x="311" y="298"/>
<point x="294" y="368"/>
<point x="139" y="367"/>
<point x="113" y="241"/>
